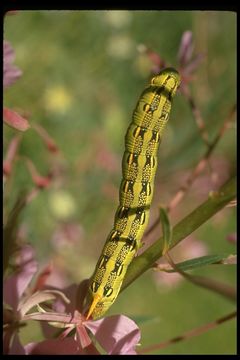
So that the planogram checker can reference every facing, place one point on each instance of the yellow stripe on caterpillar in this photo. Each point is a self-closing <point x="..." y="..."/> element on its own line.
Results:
<point x="136" y="190"/>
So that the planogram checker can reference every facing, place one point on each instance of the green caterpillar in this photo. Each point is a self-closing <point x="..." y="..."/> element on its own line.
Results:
<point x="136" y="190"/>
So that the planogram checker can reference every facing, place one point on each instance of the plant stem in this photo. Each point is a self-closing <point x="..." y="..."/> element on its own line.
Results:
<point x="215" y="202"/>
<point x="195" y="332"/>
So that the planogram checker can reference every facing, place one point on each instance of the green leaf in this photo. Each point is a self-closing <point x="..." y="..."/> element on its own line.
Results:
<point x="166" y="229"/>
<point x="198" y="262"/>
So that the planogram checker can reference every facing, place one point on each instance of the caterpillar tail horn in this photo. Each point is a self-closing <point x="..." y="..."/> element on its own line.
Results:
<point x="95" y="301"/>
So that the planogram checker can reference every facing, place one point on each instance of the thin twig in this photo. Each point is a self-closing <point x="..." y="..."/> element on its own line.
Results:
<point x="197" y="170"/>
<point x="215" y="202"/>
<point x="213" y="285"/>
<point x="195" y="332"/>
<point x="197" y="115"/>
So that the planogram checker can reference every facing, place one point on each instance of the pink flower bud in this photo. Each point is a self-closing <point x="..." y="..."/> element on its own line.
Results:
<point x="15" y="120"/>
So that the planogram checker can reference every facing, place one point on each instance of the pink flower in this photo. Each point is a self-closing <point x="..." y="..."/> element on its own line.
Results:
<point x="188" y="63"/>
<point x="10" y="72"/>
<point x="185" y="49"/>
<point x="105" y="158"/>
<point x="115" y="334"/>
<point x="15" y="285"/>
<point x="14" y="288"/>
<point x="67" y="346"/>
<point x="65" y="233"/>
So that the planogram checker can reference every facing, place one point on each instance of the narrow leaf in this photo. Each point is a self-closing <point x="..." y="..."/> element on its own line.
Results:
<point x="207" y="283"/>
<point x="166" y="229"/>
<point x="199" y="262"/>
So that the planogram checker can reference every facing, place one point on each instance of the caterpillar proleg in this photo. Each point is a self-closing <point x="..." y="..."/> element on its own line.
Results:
<point x="139" y="166"/>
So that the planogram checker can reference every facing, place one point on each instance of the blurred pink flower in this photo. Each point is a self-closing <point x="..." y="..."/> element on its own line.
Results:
<point x="106" y="159"/>
<point x="11" y="154"/>
<point x="186" y="48"/>
<point x="14" y="120"/>
<point x="14" y="288"/>
<point x="10" y="72"/>
<point x="15" y="285"/>
<point x="42" y="277"/>
<point x="187" y="249"/>
<point x="232" y="238"/>
<point x="188" y="63"/>
<point x="67" y="233"/>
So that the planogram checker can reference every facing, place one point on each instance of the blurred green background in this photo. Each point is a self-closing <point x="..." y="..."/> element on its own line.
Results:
<point x="82" y="76"/>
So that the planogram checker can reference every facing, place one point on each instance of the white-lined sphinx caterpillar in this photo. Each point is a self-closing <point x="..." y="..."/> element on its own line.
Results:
<point x="136" y="190"/>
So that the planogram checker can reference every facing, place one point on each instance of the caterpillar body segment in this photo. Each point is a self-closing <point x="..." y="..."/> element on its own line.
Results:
<point x="139" y="166"/>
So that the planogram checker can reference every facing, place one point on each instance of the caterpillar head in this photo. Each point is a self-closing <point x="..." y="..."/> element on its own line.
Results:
<point x="100" y="299"/>
<point x="169" y="79"/>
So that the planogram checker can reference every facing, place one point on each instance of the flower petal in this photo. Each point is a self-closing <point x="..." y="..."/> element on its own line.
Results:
<point x="116" y="334"/>
<point x="52" y="347"/>
<point x="185" y="48"/>
<point x="53" y="317"/>
<point x="16" y="346"/>
<point x="10" y="72"/>
<point x="75" y="293"/>
<point x="8" y="53"/>
<point x="38" y="297"/>
<point x="82" y="336"/>
<point x="11" y="75"/>
<point x="15" y="285"/>
<point x="66" y="346"/>
<point x="15" y="120"/>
